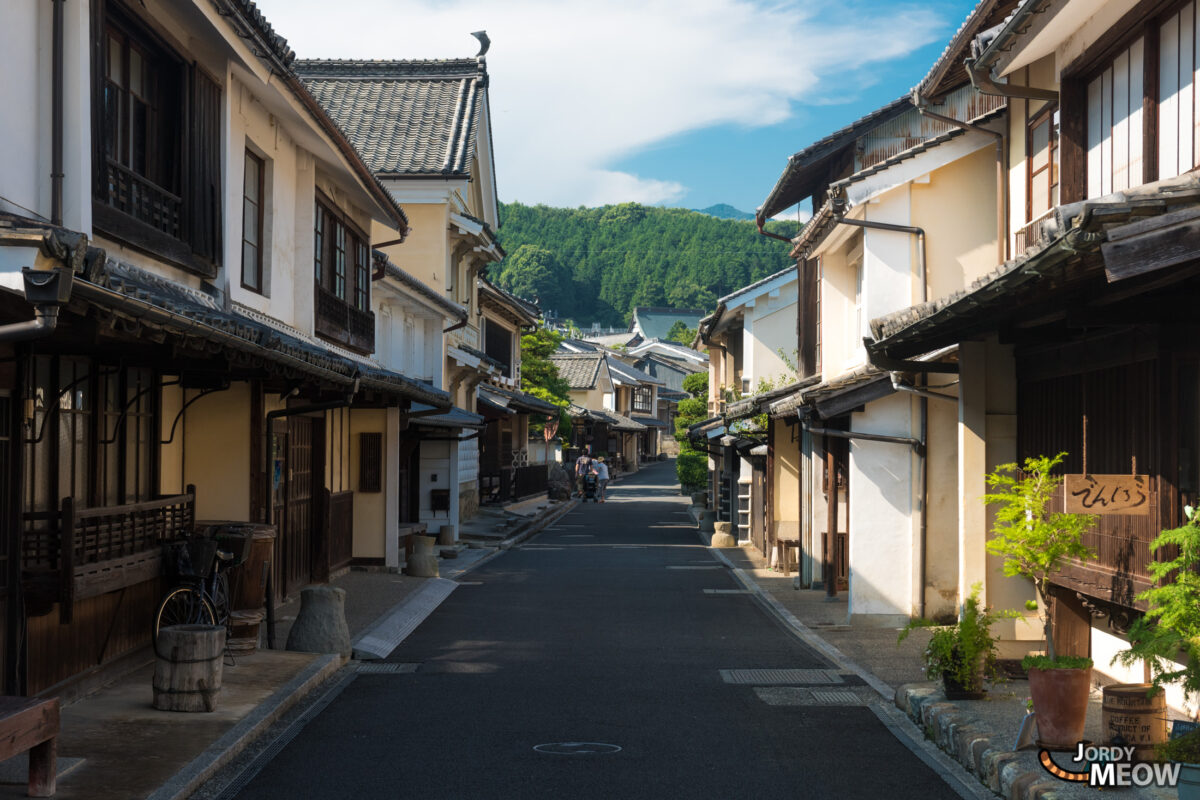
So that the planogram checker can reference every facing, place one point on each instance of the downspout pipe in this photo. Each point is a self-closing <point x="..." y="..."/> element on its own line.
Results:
<point x="922" y="106"/>
<point x="758" y="221"/>
<point x="56" y="115"/>
<point x="917" y="444"/>
<point x="47" y="291"/>
<point x="913" y="390"/>
<point x="981" y="79"/>
<point x="43" y="324"/>
<point x="909" y="229"/>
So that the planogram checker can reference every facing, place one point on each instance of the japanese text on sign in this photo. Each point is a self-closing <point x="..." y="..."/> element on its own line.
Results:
<point x="1107" y="494"/>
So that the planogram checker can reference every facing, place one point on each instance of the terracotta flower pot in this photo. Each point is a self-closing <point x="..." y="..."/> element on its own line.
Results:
<point x="1060" y="700"/>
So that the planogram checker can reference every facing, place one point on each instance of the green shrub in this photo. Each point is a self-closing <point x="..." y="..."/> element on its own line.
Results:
<point x="696" y="384"/>
<point x="692" y="469"/>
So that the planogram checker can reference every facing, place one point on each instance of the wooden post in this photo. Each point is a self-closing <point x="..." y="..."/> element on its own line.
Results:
<point x="831" y="522"/>
<point x="66" y="561"/>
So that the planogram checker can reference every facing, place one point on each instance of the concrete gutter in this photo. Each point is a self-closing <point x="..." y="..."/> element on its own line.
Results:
<point x="250" y="728"/>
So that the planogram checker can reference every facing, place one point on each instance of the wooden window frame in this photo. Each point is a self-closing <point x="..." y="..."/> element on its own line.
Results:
<point x="255" y="269"/>
<point x="1144" y="20"/>
<point x="109" y="423"/>
<point x="1044" y="115"/>
<point x="171" y="209"/>
<point x="342" y="286"/>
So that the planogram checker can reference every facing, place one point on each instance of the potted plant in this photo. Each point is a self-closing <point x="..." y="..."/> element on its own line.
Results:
<point x="1167" y="637"/>
<point x="1034" y="543"/>
<point x="963" y="655"/>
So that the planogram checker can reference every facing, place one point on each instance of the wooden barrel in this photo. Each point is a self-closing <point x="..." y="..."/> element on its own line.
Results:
<point x="187" y="671"/>
<point x="1137" y="715"/>
<point x="243" y="632"/>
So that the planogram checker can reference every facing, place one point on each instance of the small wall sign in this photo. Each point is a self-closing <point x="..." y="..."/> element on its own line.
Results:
<point x="1107" y="494"/>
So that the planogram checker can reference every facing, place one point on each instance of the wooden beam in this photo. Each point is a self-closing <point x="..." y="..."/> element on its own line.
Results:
<point x="1152" y="250"/>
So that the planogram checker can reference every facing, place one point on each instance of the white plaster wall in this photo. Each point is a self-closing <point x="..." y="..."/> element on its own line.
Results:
<point x="25" y="94"/>
<point x="882" y="520"/>
<point x="252" y="127"/>
<point x="888" y="282"/>
<point x="773" y="331"/>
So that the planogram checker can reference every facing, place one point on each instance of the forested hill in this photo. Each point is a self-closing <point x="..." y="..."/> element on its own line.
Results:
<point x="596" y="264"/>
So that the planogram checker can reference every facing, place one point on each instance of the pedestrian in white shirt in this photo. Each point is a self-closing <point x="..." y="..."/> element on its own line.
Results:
<point x="601" y="470"/>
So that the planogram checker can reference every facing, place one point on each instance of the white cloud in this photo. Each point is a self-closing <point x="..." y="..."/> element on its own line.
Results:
<point x="578" y="86"/>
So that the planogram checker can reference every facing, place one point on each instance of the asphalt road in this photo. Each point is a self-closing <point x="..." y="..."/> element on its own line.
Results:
<point x="598" y="630"/>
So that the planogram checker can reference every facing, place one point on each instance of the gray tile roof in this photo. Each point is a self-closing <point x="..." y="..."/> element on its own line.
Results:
<point x="579" y="370"/>
<point x="405" y="117"/>
<point x="656" y="322"/>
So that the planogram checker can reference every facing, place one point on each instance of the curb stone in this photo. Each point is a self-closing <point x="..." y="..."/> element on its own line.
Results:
<point x="960" y="735"/>
<point x="536" y="525"/>
<point x="187" y="780"/>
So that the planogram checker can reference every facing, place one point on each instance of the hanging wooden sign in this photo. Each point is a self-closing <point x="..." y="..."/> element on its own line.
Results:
<point x="1107" y="494"/>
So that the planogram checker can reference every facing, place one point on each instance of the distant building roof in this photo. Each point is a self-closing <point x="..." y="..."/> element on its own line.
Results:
<point x="610" y="339"/>
<point x="405" y="117"/>
<point x="623" y="373"/>
<point x="656" y="322"/>
<point x="579" y="370"/>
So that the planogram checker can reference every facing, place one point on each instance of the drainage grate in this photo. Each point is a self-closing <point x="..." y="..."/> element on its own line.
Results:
<point x="795" y="696"/>
<point x="728" y="591"/>
<point x="766" y="677"/>
<point x="386" y="668"/>
<point x="835" y="697"/>
<point x="712" y="566"/>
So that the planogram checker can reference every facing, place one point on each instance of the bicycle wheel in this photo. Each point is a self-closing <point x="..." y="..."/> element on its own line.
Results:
<point x="183" y="605"/>
<point x="219" y="598"/>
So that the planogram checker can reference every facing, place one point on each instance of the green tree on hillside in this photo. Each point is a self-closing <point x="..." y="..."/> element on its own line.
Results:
<point x="595" y="264"/>
<point x="533" y="271"/>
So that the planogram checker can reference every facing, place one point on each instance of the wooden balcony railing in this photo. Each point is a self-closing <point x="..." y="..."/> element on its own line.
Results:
<point x="342" y="323"/>
<point x="1029" y="234"/>
<point x="143" y="200"/>
<point x="75" y="553"/>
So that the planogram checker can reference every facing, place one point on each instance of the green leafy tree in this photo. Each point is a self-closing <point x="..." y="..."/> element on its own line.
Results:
<point x="696" y="384"/>
<point x="539" y="375"/>
<point x="1033" y="541"/>
<point x="681" y="333"/>
<point x="1169" y="632"/>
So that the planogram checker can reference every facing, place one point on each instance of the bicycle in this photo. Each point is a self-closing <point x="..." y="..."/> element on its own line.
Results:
<point x="202" y="596"/>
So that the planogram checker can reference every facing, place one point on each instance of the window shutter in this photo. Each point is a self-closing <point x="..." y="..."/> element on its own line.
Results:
<point x="202" y="210"/>
<point x="370" y="462"/>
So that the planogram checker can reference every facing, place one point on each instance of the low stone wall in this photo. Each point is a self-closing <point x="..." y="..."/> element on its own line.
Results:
<point x="468" y="501"/>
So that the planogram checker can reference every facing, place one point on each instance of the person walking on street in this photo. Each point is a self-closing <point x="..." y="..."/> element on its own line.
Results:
<point x="583" y="465"/>
<point x="601" y="470"/>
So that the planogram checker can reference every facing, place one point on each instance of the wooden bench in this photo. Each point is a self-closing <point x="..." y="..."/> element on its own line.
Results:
<point x="31" y="725"/>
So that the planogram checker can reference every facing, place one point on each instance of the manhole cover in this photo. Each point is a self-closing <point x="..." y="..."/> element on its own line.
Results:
<point x="577" y="748"/>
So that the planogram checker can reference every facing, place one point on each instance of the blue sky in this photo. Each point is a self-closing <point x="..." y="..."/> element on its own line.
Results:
<point x="661" y="102"/>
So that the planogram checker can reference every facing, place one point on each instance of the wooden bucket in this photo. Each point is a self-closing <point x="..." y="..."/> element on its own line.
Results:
<point x="188" y="667"/>
<point x="1138" y="718"/>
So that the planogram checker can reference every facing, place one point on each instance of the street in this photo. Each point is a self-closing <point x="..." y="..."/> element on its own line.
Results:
<point x="587" y="663"/>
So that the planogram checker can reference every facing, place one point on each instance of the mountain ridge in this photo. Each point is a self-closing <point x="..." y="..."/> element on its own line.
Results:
<point x="596" y="264"/>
